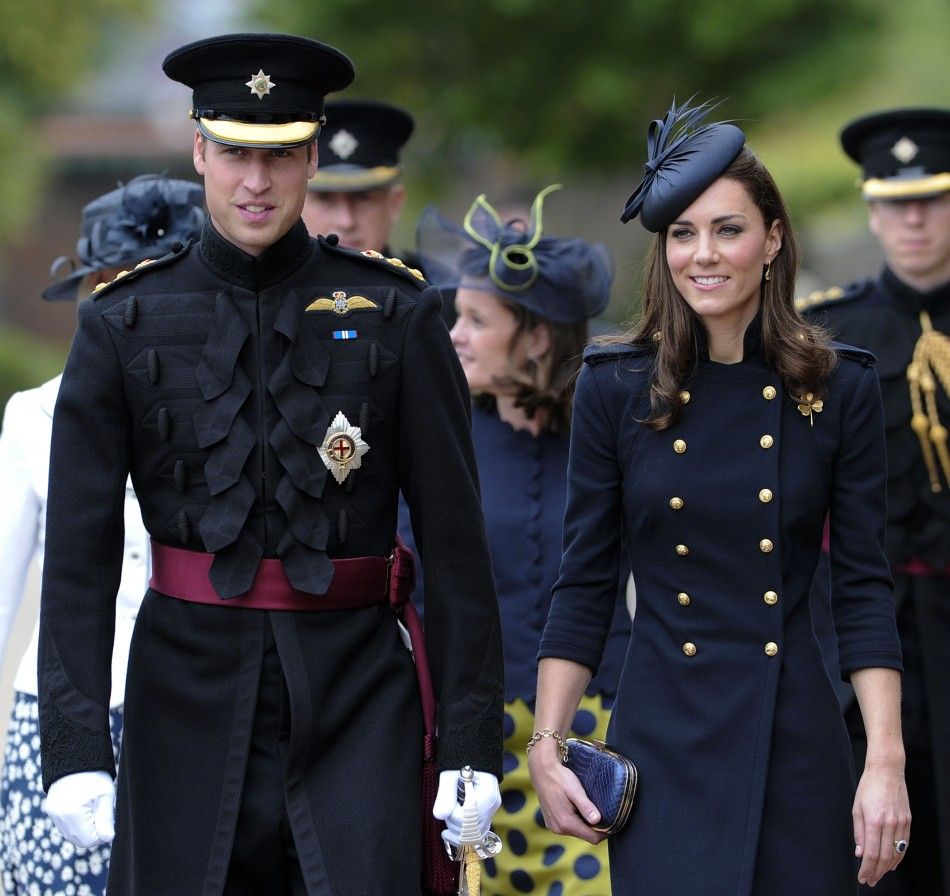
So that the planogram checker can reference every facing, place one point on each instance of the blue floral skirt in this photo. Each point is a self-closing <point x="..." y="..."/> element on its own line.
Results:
<point x="533" y="859"/>
<point x="36" y="860"/>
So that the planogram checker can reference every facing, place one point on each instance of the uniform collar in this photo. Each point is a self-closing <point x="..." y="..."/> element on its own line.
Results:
<point x="256" y="272"/>
<point x="751" y="341"/>
<point x="913" y="300"/>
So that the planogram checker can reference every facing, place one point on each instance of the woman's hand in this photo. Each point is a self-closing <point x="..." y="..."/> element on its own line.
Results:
<point x="881" y="817"/>
<point x="564" y="804"/>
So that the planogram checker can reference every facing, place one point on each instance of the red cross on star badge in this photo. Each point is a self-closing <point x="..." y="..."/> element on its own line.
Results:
<point x="343" y="448"/>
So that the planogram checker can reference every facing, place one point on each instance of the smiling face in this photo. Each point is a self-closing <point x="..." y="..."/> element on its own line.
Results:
<point x="915" y="237"/>
<point x="254" y="196"/>
<point x="485" y="340"/>
<point x="717" y="250"/>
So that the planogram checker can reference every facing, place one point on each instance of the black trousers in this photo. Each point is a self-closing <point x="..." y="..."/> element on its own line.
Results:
<point x="264" y="858"/>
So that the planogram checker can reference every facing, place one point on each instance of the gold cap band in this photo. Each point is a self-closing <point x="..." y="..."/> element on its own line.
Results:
<point x="242" y="133"/>
<point x="906" y="188"/>
<point x="356" y="179"/>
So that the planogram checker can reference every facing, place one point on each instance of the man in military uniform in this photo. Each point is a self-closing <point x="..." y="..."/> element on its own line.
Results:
<point x="903" y="316"/>
<point x="270" y="394"/>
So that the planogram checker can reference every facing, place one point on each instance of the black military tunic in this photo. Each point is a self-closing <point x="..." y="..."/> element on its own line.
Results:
<point x="213" y="376"/>
<point x="883" y="315"/>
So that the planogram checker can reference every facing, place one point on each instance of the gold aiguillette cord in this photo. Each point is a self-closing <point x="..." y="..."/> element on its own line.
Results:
<point x="930" y="364"/>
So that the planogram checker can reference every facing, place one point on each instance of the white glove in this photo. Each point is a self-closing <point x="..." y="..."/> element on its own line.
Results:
<point x="80" y="805"/>
<point x="448" y="809"/>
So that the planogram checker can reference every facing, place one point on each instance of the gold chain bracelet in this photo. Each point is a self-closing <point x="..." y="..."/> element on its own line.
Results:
<point x="555" y="735"/>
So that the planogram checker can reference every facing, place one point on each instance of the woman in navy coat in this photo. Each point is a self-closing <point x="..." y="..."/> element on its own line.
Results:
<point x="523" y="298"/>
<point x="719" y="434"/>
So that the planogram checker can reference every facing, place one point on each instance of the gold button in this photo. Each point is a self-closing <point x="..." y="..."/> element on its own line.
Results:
<point x="766" y="441"/>
<point x="768" y="393"/>
<point x="679" y="446"/>
<point x="771" y="648"/>
<point x="765" y="546"/>
<point x="683" y="598"/>
<point x="689" y="648"/>
<point x="765" y="495"/>
<point x="770" y="597"/>
<point x="682" y="550"/>
<point x="685" y="397"/>
<point x="676" y="503"/>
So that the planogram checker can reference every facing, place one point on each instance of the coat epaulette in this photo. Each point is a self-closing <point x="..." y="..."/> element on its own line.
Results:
<point x="178" y="250"/>
<point x="862" y="356"/>
<point x="397" y="265"/>
<point x="599" y="352"/>
<point x="821" y="297"/>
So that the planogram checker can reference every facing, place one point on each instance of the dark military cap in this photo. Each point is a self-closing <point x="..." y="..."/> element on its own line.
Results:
<point x="358" y="147"/>
<point x="140" y="220"/>
<point x="905" y="153"/>
<point x="684" y="156"/>
<point x="262" y="90"/>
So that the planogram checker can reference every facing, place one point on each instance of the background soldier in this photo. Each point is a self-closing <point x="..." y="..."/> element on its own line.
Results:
<point x="903" y="316"/>
<point x="270" y="394"/>
<point x="356" y="192"/>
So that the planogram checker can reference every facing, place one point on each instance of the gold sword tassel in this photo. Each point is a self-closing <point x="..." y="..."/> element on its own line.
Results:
<point x="930" y="364"/>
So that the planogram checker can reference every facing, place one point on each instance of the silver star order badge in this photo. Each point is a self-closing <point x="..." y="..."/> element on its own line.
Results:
<point x="260" y="84"/>
<point x="343" y="144"/>
<point x="343" y="448"/>
<point x="904" y="150"/>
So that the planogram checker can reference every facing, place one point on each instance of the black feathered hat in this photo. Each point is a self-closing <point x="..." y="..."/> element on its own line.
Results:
<point x="684" y="156"/>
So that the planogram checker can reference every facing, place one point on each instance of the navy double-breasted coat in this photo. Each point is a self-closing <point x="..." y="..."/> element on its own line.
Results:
<point x="214" y="376"/>
<point x="746" y="776"/>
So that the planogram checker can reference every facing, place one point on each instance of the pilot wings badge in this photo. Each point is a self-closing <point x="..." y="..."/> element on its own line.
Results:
<point x="341" y="303"/>
<point x="343" y="448"/>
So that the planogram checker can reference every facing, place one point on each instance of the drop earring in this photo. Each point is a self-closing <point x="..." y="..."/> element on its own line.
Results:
<point x="768" y="271"/>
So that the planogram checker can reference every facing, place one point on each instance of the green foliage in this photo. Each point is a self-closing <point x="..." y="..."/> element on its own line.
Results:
<point x="570" y="86"/>
<point x="25" y="361"/>
<point x="44" y="48"/>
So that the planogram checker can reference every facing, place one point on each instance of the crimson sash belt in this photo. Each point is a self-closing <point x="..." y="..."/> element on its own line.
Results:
<point x="356" y="582"/>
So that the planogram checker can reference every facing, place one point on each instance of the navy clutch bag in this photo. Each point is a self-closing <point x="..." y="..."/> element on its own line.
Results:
<point x="609" y="780"/>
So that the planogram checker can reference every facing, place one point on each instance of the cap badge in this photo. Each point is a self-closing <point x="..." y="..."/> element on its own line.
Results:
<point x="343" y="448"/>
<point x="343" y="144"/>
<point x="260" y="84"/>
<point x="904" y="150"/>
<point x="341" y="303"/>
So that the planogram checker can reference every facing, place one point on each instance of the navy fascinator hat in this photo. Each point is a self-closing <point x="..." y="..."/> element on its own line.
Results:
<point x="564" y="280"/>
<point x="137" y="221"/>
<point x="684" y="156"/>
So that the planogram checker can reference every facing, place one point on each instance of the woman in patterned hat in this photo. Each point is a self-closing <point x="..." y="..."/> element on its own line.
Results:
<point x="718" y="434"/>
<point x="523" y="299"/>
<point x="139" y="221"/>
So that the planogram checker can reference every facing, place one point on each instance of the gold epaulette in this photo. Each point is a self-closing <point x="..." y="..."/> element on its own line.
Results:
<point x="395" y="262"/>
<point x="818" y="297"/>
<point x="121" y="274"/>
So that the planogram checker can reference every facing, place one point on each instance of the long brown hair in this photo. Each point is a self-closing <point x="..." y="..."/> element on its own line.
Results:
<point x="546" y="384"/>
<point x="797" y="351"/>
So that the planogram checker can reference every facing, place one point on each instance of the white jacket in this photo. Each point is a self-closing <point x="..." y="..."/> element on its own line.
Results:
<point x="24" y="474"/>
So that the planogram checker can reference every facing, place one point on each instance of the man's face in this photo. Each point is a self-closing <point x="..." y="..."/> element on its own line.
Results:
<point x="254" y="196"/>
<point x="915" y="237"/>
<point x="362" y="219"/>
